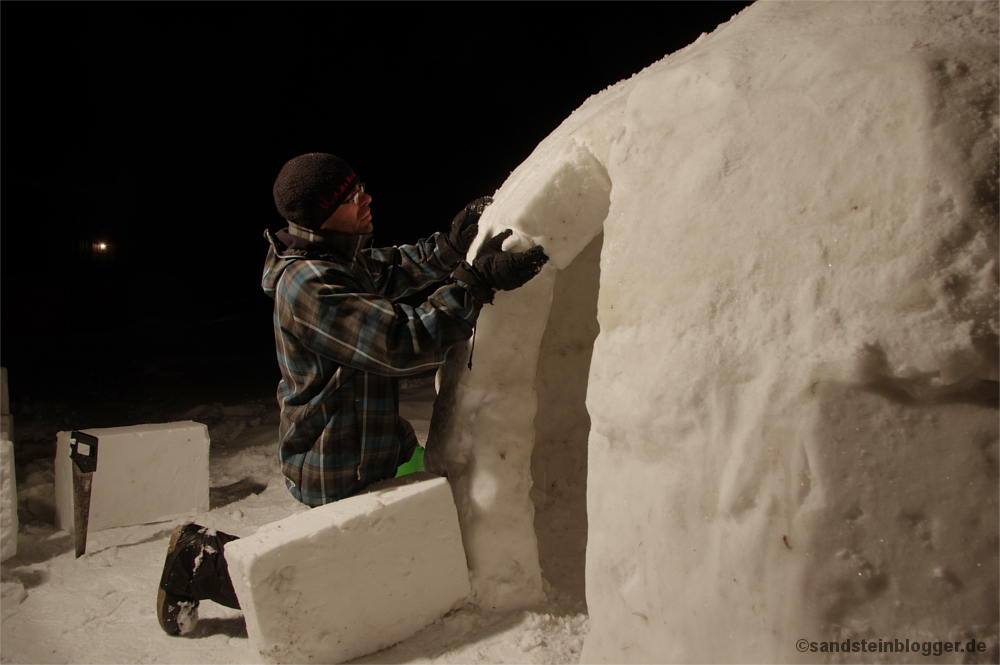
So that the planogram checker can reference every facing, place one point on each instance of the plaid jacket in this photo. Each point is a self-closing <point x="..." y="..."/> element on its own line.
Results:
<point x="342" y="343"/>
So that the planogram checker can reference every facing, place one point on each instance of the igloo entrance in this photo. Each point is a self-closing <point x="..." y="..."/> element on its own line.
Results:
<point x="527" y="389"/>
<point x="512" y="434"/>
<point x="562" y="424"/>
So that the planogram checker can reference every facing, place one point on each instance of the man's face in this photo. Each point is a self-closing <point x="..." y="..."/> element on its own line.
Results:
<point x="351" y="217"/>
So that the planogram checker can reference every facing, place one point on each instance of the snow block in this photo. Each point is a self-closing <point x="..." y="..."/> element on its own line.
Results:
<point x="8" y="501"/>
<point x="352" y="577"/>
<point x="145" y="473"/>
<point x="6" y="426"/>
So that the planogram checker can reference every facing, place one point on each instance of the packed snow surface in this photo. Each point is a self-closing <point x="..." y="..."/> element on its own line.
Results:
<point x="100" y="608"/>
<point x="792" y="397"/>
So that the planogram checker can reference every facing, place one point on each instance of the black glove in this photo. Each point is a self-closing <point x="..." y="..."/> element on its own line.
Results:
<point x="463" y="231"/>
<point x="497" y="270"/>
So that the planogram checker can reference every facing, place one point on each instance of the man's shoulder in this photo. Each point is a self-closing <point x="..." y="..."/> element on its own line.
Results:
<point x="319" y="275"/>
<point x="318" y="267"/>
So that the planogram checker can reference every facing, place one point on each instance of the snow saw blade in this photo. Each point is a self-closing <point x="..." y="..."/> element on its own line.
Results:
<point x="83" y="452"/>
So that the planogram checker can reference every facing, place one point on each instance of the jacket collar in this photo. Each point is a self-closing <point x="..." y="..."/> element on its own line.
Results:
<point x="309" y="243"/>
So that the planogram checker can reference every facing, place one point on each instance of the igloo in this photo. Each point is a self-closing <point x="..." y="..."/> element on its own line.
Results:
<point x="766" y="345"/>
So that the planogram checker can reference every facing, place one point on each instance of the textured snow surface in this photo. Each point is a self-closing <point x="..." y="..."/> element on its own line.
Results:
<point x="802" y="393"/>
<point x="101" y="608"/>
<point x="793" y="392"/>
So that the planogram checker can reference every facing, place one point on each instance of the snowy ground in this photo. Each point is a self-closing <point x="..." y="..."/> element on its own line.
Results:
<point x="101" y="608"/>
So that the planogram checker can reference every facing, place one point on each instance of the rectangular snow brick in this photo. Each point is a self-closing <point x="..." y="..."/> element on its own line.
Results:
<point x="6" y="426"/>
<point x="145" y="473"/>
<point x="8" y="501"/>
<point x="352" y="577"/>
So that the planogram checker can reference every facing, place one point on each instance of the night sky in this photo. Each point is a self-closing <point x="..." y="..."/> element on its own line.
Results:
<point x="158" y="129"/>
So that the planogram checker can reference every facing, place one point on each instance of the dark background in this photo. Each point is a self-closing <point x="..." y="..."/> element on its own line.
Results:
<point x="158" y="128"/>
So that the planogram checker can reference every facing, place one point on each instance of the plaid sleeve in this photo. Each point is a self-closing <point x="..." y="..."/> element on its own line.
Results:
<point x="400" y="271"/>
<point x="329" y="314"/>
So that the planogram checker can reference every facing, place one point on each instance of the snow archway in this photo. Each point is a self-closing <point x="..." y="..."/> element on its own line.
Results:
<point x="793" y="393"/>
<point x="487" y="421"/>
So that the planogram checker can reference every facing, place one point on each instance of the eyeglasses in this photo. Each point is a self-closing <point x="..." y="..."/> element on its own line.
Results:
<point x="356" y="197"/>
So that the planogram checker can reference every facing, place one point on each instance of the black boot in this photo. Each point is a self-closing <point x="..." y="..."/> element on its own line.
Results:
<point x="195" y="569"/>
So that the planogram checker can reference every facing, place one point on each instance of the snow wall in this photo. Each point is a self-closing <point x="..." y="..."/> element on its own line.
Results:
<point x="787" y="426"/>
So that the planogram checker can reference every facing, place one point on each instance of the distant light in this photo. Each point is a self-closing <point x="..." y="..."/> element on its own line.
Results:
<point x="101" y="247"/>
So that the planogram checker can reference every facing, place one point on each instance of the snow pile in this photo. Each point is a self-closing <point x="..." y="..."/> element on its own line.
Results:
<point x="349" y="578"/>
<point x="793" y="392"/>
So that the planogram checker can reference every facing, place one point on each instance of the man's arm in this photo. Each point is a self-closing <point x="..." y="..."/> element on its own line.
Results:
<point x="326" y="315"/>
<point x="400" y="271"/>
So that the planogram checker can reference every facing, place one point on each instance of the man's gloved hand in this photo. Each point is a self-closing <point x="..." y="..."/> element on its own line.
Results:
<point x="464" y="228"/>
<point x="497" y="270"/>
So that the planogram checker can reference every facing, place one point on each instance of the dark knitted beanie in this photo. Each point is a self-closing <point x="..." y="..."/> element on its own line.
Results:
<point x="310" y="187"/>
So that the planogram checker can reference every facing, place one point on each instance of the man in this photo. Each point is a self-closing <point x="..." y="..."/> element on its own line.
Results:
<point x="342" y="342"/>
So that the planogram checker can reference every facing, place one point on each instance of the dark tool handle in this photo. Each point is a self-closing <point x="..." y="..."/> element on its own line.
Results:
<point x="83" y="451"/>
